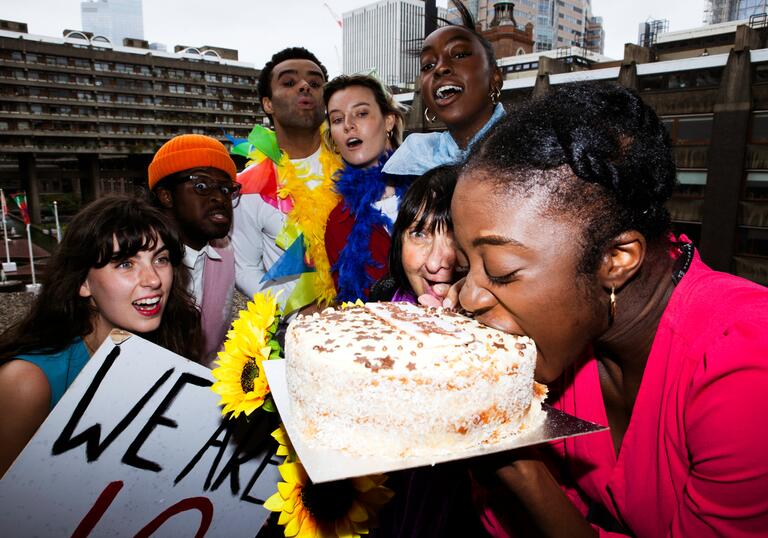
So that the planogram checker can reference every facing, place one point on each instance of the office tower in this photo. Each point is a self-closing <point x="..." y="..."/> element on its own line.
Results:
<point x="114" y="19"/>
<point x="718" y="11"/>
<point x="648" y="31"/>
<point x="385" y="37"/>
<point x="556" y="23"/>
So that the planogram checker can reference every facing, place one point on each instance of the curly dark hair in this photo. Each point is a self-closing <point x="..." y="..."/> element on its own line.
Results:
<point x="291" y="53"/>
<point x="609" y="139"/>
<point x="426" y="205"/>
<point x="60" y="314"/>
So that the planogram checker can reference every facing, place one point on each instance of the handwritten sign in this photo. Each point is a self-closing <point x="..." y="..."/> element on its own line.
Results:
<point x="137" y="447"/>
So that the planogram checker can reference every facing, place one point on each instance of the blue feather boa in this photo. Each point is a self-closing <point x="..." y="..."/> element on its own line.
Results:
<point x="360" y="188"/>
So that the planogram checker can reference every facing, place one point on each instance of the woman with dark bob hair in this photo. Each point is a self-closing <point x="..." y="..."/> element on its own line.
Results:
<point x="119" y="266"/>
<point x="559" y="218"/>
<point x="422" y="257"/>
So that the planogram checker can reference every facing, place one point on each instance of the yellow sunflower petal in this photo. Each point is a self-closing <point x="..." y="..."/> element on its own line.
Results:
<point x="377" y="496"/>
<point x="293" y="526"/>
<point x="363" y="483"/>
<point x="344" y="528"/>
<point x="357" y="512"/>
<point x="285" y="489"/>
<point x="293" y="473"/>
<point x="275" y="502"/>
<point x="285" y="517"/>
<point x="290" y="503"/>
<point x="308" y="528"/>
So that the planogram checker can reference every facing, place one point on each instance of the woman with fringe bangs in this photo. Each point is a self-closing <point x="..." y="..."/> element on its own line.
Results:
<point x="118" y="267"/>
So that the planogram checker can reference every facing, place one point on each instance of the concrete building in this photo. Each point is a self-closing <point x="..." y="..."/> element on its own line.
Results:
<point x="709" y="85"/>
<point x="80" y="117"/>
<point x="385" y="37"/>
<point x="114" y="19"/>
<point x="556" y="23"/>
<point x="718" y="11"/>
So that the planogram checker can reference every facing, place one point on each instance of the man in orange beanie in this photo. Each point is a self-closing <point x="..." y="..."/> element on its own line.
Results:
<point x="192" y="179"/>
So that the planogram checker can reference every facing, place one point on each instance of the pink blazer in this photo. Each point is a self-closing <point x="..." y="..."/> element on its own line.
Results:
<point x="694" y="460"/>
<point x="218" y="281"/>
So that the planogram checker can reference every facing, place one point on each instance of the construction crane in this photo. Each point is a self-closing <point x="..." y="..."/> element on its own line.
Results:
<point x="334" y="15"/>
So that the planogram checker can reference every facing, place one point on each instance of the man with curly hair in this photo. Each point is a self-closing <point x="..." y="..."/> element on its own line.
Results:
<point x="270" y="219"/>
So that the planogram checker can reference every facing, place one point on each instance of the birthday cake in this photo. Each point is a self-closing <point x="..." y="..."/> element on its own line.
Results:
<point x="396" y="379"/>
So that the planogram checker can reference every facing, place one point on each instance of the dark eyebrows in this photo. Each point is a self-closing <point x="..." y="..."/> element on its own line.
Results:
<point x="356" y="105"/>
<point x="497" y="241"/>
<point x="310" y="73"/>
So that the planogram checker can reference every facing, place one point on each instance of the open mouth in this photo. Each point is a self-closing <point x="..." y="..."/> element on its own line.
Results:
<point x="447" y="92"/>
<point x="148" y="306"/>
<point x="218" y="217"/>
<point x="353" y="143"/>
<point x="431" y="287"/>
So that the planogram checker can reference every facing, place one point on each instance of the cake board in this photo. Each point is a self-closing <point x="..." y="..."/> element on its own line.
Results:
<point x="327" y="465"/>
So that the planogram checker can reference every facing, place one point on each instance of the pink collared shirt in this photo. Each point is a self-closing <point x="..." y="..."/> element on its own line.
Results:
<point x="694" y="459"/>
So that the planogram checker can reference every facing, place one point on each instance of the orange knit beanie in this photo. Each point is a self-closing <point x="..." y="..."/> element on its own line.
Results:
<point x="190" y="151"/>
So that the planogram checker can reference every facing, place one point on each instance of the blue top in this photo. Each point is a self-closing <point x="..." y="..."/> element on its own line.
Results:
<point x="60" y="368"/>
<point x="421" y="152"/>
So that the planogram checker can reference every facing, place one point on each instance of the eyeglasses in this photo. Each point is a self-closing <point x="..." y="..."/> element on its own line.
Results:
<point x="204" y="186"/>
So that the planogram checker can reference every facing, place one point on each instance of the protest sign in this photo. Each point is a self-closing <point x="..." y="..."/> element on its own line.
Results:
<point x="136" y="447"/>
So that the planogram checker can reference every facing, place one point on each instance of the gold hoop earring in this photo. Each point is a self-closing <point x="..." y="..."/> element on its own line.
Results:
<point x="495" y="95"/>
<point x="612" y="308"/>
<point x="426" y="116"/>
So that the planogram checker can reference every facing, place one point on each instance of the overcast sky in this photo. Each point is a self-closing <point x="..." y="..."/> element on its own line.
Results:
<point x="257" y="28"/>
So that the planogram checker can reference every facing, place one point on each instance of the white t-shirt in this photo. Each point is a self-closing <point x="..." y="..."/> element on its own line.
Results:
<point x="255" y="228"/>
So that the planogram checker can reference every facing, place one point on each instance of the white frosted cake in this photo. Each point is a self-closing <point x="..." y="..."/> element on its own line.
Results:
<point x="396" y="379"/>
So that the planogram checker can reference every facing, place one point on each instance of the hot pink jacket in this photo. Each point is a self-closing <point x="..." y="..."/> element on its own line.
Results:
<point x="694" y="460"/>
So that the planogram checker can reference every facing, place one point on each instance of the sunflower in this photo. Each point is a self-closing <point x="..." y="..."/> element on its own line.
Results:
<point x="345" y="508"/>
<point x="285" y="448"/>
<point x="241" y="382"/>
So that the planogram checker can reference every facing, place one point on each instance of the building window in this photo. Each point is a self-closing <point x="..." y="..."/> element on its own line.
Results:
<point x="759" y="132"/>
<point x="693" y="130"/>
<point x="696" y="130"/>
<point x="756" y="187"/>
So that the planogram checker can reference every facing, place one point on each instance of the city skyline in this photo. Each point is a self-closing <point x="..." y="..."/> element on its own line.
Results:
<point x="257" y="30"/>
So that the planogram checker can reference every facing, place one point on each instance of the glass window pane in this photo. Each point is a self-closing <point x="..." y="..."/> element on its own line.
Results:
<point x="687" y="177"/>
<point x="694" y="129"/>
